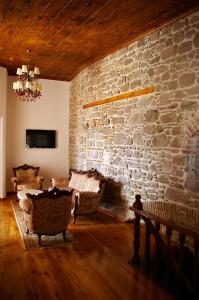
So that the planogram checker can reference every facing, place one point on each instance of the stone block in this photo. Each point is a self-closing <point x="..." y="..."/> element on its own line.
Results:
<point x="149" y="129"/>
<point x="129" y="153"/>
<point x="164" y="99"/>
<point x="178" y="25"/>
<point x="147" y="55"/>
<point x="117" y="120"/>
<point x="173" y="85"/>
<point x="138" y="139"/>
<point x="185" y="47"/>
<point x="153" y="36"/>
<point x="176" y="142"/>
<point x="196" y="40"/>
<point x="179" y="159"/>
<point x="160" y="140"/>
<point x="119" y="139"/>
<point x="179" y="94"/>
<point x="168" y="52"/>
<point x="153" y="168"/>
<point x="159" y="128"/>
<point x="165" y="76"/>
<point x="194" y="90"/>
<point x="152" y="115"/>
<point x="170" y="117"/>
<point x="116" y="161"/>
<point x="176" y="130"/>
<point x="189" y="105"/>
<point x="178" y="36"/>
<point x="187" y="79"/>
<point x="137" y="117"/>
<point x="163" y="179"/>
<point x="176" y="195"/>
<point x="150" y="72"/>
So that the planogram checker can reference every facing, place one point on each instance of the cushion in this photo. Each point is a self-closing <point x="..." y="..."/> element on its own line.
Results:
<point x="92" y="185"/>
<point x="77" y="181"/>
<point x="26" y="173"/>
<point x="83" y="183"/>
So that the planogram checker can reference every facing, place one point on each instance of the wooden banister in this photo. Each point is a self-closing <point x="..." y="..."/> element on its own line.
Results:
<point x="173" y="264"/>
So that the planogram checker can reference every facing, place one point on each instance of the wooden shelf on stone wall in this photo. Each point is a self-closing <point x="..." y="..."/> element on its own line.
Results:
<point x="130" y="94"/>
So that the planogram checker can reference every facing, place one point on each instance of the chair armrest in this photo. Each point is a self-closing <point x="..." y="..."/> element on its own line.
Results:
<point x="88" y="196"/>
<point x="39" y="179"/>
<point x="14" y="179"/>
<point x="86" y="202"/>
<point x="25" y="205"/>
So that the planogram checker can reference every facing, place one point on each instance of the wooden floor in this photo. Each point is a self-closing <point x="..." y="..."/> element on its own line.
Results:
<point x="95" y="268"/>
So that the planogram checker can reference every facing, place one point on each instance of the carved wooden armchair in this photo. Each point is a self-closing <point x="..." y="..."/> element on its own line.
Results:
<point x="26" y="177"/>
<point x="47" y="213"/>
<point x="88" y="189"/>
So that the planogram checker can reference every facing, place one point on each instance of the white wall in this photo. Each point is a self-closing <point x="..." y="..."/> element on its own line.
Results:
<point x="51" y="111"/>
<point x="3" y="98"/>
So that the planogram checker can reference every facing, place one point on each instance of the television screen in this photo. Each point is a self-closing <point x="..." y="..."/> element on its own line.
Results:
<point x="40" y="138"/>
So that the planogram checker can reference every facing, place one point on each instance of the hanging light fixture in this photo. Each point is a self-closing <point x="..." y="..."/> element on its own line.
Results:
<point x="27" y="88"/>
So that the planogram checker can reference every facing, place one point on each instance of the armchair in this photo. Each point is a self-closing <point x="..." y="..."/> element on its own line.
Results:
<point x="26" y="177"/>
<point x="88" y="187"/>
<point x="47" y="213"/>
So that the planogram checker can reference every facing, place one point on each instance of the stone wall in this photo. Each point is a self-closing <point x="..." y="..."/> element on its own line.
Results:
<point x="147" y="144"/>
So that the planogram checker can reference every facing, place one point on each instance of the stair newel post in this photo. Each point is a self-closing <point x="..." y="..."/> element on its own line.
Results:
<point x="195" y="275"/>
<point x="136" y="243"/>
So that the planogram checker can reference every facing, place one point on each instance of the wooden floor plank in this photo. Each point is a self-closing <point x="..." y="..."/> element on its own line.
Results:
<point x="96" y="267"/>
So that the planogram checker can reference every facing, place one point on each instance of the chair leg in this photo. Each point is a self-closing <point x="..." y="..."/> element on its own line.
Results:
<point x="39" y="236"/>
<point x="64" y="235"/>
<point x="74" y="218"/>
<point x="95" y="216"/>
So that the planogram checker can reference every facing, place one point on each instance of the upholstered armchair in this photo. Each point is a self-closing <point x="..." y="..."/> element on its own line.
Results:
<point x="88" y="188"/>
<point x="26" y="177"/>
<point x="47" y="213"/>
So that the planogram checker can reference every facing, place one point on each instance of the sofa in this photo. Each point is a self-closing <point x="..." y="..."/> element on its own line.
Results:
<point x="26" y="177"/>
<point x="47" y="213"/>
<point x="88" y="187"/>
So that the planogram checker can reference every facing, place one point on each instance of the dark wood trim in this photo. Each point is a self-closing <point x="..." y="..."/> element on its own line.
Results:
<point x="168" y="223"/>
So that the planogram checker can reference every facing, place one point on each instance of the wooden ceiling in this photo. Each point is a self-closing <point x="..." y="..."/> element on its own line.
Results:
<point x="66" y="36"/>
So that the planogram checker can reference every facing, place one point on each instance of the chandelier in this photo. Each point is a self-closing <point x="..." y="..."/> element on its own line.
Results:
<point x="27" y="88"/>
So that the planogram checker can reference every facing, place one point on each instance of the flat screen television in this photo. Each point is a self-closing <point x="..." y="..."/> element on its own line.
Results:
<point x="40" y="138"/>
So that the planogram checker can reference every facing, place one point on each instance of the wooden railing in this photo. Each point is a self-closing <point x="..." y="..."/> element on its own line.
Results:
<point x="168" y="262"/>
